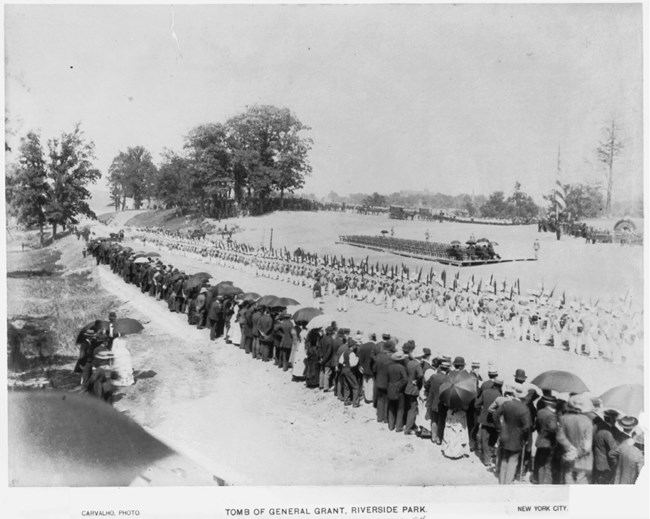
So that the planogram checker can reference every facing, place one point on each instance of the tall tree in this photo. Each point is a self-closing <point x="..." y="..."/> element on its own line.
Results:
<point x="211" y="179"/>
<point x="70" y="169"/>
<point x="275" y="151"/>
<point x="609" y="148"/>
<point x="131" y="175"/>
<point x="28" y="191"/>
<point x="521" y="205"/>
<point x="171" y="187"/>
<point x="375" y="200"/>
<point x="582" y="201"/>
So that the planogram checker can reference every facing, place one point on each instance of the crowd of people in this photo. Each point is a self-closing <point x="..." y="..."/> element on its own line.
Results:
<point x="497" y="310"/>
<point x="514" y="428"/>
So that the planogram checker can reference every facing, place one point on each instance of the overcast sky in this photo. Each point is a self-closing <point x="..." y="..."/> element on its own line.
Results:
<point x="467" y="98"/>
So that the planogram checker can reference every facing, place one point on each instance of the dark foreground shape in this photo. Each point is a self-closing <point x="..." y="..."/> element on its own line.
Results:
<point x="71" y="439"/>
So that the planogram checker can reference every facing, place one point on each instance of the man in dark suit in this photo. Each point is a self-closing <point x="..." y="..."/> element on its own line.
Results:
<point x="247" y="329"/>
<point x="414" y="375"/>
<point x="396" y="383"/>
<point x="381" y="380"/>
<point x="257" y="314"/>
<point x="366" y="353"/>
<point x="604" y="443"/>
<point x="213" y="317"/>
<point x="326" y="354"/>
<point x="437" y="412"/>
<point x="513" y="433"/>
<point x="487" y="429"/>
<point x="286" y="341"/>
<point x="265" y="328"/>
<point x="546" y="466"/>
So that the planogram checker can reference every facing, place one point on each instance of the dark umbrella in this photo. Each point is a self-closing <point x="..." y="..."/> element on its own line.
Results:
<point x="267" y="300"/>
<point x="286" y="301"/>
<point x="560" y="381"/>
<point x="194" y="282"/>
<point x="224" y="283"/>
<point x="67" y="439"/>
<point x="458" y="390"/>
<point x="627" y="398"/>
<point x="306" y="314"/>
<point x="249" y="296"/>
<point x="203" y="275"/>
<point x="455" y="242"/>
<point x="480" y="240"/>
<point x="124" y="326"/>
<point x="229" y="290"/>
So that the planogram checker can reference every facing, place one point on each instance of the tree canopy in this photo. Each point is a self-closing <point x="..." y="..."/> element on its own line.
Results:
<point x="51" y="187"/>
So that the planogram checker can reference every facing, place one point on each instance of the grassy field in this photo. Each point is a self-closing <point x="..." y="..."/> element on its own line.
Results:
<point x="47" y="305"/>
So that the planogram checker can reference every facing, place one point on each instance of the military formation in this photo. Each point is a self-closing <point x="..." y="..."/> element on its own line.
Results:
<point x="612" y="330"/>
<point x="573" y="439"/>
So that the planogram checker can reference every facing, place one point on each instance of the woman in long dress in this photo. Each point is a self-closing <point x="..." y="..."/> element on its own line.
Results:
<point x="122" y="365"/>
<point x="455" y="441"/>
<point x="235" y="328"/>
<point x="312" y="371"/>
<point x="298" y="354"/>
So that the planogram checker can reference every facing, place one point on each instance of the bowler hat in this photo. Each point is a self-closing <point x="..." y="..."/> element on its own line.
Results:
<point x="425" y="352"/>
<point x="385" y="336"/>
<point x="611" y="413"/>
<point x="112" y="314"/>
<point x="459" y="361"/>
<point x="520" y="374"/>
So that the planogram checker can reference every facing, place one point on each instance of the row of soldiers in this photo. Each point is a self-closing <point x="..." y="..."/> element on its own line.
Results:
<point x="579" y="327"/>
<point x="398" y="384"/>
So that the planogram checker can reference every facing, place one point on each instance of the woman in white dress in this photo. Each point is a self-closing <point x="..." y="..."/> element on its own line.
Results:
<point x="234" y="332"/>
<point x="298" y="354"/>
<point x="122" y="364"/>
<point x="455" y="441"/>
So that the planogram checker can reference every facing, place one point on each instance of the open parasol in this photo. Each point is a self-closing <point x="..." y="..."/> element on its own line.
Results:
<point x="320" y="321"/>
<point x="124" y="326"/>
<point x="285" y="301"/>
<point x="141" y="259"/>
<point x="626" y="398"/>
<point x="249" y="296"/>
<point x="306" y="314"/>
<point x="458" y="390"/>
<point x="267" y="300"/>
<point x="560" y="381"/>
<point x="229" y="290"/>
<point x="481" y="240"/>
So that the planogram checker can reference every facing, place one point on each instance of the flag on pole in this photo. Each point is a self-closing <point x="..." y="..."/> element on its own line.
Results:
<point x="559" y="195"/>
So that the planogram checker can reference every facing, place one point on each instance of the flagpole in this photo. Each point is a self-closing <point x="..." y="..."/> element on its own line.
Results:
<point x="557" y="177"/>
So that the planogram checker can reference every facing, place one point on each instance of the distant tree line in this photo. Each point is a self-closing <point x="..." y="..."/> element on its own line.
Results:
<point x="251" y="162"/>
<point x="47" y="184"/>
